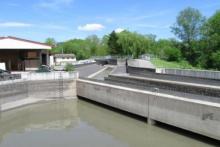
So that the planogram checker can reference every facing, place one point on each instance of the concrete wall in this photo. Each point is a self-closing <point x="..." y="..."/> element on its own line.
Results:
<point x="199" y="89"/>
<point x="139" y="63"/>
<point x="49" y="89"/>
<point x="127" y="100"/>
<point x="14" y="90"/>
<point x="52" y="89"/>
<point x="140" y="71"/>
<point x="197" y="116"/>
<point x="151" y="74"/>
<point x="191" y="73"/>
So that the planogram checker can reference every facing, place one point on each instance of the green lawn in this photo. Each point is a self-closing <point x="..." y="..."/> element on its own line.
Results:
<point x="165" y="64"/>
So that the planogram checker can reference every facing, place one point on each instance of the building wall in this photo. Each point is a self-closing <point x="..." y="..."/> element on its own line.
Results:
<point x="2" y="66"/>
<point x="20" y="60"/>
<point x="64" y="60"/>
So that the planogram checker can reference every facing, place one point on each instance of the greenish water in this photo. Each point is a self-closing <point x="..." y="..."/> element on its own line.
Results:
<point x="81" y="124"/>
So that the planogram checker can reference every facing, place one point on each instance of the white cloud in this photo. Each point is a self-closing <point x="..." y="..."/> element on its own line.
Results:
<point x="91" y="27"/>
<point x="119" y="30"/>
<point x="37" y="26"/>
<point x="54" y="4"/>
<point x="15" y="24"/>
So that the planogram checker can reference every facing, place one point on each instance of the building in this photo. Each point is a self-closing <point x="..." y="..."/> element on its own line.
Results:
<point x="23" y="55"/>
<point x="62" y="59"/>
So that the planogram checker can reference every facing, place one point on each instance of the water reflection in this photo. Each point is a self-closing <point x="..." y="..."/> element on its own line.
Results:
<point x="81" y="124"/>
<point x="49" y="115"/>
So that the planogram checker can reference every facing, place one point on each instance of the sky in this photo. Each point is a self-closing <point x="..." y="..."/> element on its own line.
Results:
<point x="68" y="19"/>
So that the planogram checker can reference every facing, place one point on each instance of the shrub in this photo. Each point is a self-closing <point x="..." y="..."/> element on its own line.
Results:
<point x="69" y="67"/>
<point x="172" y="54"/>
<point x="216" y="60"/>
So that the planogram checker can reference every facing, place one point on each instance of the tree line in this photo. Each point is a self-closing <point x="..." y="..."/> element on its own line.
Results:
<point x="197" y="42"/>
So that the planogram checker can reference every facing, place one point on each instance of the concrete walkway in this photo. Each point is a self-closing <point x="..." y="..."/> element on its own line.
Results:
<point x="85" y="71"/>
<point x="18" y="103"/>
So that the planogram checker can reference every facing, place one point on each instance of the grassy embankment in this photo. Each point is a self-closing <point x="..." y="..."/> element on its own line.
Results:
<point x="165" y="64"/>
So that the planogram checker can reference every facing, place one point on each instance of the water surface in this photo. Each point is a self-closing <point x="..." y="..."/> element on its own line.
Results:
<point x="71" y="123"/>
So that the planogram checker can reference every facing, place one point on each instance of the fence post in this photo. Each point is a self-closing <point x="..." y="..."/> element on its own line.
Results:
<point x="60" y="85"/>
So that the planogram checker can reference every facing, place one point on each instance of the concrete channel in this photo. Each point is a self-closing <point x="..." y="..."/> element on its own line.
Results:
<point x="37" y="87"/>
<point x="197" y="116"/>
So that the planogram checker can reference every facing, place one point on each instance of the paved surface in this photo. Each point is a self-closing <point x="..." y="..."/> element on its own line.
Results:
<point x="87" y="70"/>
<point x="103" y="74"/>
<point x="119" y="70"/>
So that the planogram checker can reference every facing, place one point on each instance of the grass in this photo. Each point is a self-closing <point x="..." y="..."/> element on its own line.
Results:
<point x="165" y="64"/>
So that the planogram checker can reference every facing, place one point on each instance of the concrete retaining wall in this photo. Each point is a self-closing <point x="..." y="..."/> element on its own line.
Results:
<point x="151" y="74"/>
<point x="191" y="73"/>
<point x="206" y="90"/>
<point x="49" y="89"/>
<point x="13" y="91"/>
<point x="52" y="89"/>
<point x="140" y="71"/>
<point x="123" y="99"/>
<point x="60" y="87"/>
<point x="139" y="63"/>
<point x="197" y="116"/>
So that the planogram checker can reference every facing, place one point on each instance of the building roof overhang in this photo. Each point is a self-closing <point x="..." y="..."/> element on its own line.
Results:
<point x="9" y="43"/>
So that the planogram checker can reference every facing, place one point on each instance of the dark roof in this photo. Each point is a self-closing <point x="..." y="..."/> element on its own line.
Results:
<point x="64" y="55"/>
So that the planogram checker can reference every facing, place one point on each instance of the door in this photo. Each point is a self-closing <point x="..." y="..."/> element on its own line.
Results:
<point x="44" y="59"/>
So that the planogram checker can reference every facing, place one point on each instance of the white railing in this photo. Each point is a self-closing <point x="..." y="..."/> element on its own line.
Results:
<point x="34" y="76"/>
<point x="52" y="76"/>
<point x="208" y="74"/>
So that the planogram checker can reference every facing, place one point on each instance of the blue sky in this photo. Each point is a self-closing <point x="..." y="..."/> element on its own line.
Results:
<point x="66" y="19"/>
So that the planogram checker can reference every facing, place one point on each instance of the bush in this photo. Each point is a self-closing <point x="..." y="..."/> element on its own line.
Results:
<point x="216" y="60"/>
<point x="69" y="67"/>
<point x="172" y="54"/>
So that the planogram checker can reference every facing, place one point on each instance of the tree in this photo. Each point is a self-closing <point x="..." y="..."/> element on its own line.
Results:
<point x="172" y="54"/>
<point x="94" y="43"/>
<point x="84" y="48"/>
<point x="114" y="47"/>
<point x="188" y="29"/>
<point x="51" y="42"/>
<point x="216" y="60"/>
<point x="211" y="41"/>
<point x="161" y="46"/>
<point x="103" y="49"/>
<point x="133" y="44"/>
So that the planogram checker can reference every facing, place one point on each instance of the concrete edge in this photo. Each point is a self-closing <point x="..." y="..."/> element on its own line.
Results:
<point x="98" y="72"/>
<point x="174" y="82"/>
<point x="152" y="93"/>
<point x="18" y="104"/>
